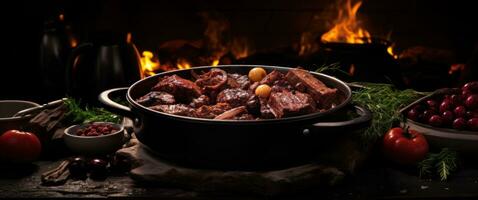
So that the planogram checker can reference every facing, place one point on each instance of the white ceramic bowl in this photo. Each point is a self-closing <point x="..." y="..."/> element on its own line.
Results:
<point x="94" y="145"/>
<point x="463" y="141"/>
<point x="8" y="108"/>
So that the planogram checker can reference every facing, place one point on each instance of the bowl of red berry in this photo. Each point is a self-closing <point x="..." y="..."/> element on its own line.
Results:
<point x="94" y="138"/>
<point x="448" y="117"/>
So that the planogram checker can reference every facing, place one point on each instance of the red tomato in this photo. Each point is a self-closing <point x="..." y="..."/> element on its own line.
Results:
<point x="19" y="147"/>
<point x="405" y="147"/>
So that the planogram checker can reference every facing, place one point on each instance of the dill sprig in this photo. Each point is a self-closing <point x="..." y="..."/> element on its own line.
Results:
<point x="443" y="163"/>
<point x="385" y="102"/>
<point x="329" y="68"/>
<point x="77" y="114"/>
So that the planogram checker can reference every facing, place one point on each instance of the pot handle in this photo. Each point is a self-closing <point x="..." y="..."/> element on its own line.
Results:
<point x="363" y="120"/>
<point x="114" y="107"/>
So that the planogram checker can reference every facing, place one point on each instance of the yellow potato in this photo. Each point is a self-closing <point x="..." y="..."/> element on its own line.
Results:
<point x="263" y="91"/>
<point x="257" y="74"/>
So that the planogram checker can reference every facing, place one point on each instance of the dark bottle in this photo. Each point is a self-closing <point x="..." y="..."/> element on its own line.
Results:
<point x="56" y="44"/>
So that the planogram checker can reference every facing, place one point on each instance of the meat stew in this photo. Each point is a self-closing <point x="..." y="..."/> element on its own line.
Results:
<point x="217" y="94"/>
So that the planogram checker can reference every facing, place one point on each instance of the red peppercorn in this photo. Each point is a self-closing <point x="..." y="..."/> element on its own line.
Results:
<point x="96" y="130"/>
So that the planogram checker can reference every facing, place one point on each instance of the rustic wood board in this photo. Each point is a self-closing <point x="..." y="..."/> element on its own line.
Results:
<point x="148" y="169"/>
<point x="24" y="181"/>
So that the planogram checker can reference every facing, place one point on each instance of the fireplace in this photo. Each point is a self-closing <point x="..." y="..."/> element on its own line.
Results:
<point x="423" y="45"/>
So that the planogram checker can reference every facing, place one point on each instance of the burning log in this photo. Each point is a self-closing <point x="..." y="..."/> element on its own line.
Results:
<point x="423" y="68"/>
<point x="218" y="46"/>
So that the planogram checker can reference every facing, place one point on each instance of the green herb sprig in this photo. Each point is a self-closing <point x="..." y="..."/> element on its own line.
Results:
<point x="333" y="67"/>
<point x="385" y="102"/>
<point x="79" y="115"/>
<point x="442" y="163"/>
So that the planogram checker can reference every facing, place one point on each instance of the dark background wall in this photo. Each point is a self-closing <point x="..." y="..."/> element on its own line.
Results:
<point x="267" y="24"/>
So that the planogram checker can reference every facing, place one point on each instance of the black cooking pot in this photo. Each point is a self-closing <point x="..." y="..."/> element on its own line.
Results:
<point x="233" y="144"/>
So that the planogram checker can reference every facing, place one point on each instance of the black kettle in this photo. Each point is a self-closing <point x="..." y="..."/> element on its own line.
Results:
<point x="108" y="61"/>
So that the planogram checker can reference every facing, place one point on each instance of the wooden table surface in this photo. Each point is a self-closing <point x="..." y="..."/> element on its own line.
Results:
<point x="374" y="181"/>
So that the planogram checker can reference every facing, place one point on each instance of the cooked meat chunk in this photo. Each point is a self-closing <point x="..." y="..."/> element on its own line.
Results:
<point x="238" y="81"/>
<point x="210" y="112"/>
<point x="266" y="111"/>
<point x="276" y="80"/>
<point x="272" y="77"/>
<point x="183" y="90"/>
<point x="239" y="113"/>
<point x="200" y="101"/>
<point x="281" y="85"/>
<point x="245" y="116"/>
<point x="253" y="105"/>
<point x="278" y="88"/>
<point x="235" y="97"/>
<point x="232" y="113"/>
<point x="232" y="82"/>
<point x="212" y="81"/>
<point x="300" y="87"/>
<point x="156" y="98"/>
<point x="176" y="109"/>
<point x="286" y="104"/>
<point x="253" y="86"/>
<point x="324" y="96"/>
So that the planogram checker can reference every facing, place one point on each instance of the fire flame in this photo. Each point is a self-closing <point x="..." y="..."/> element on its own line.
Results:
<point x="454" y="68"/>
<point x="307" y="44"/>
<point x="352" y="70"/>
<point x="239" y="48"/>
<point x="128" y="37"/>
<point x="347" y="28"/>
<point x="148" y="66"/>
<point x="216" y="28"/>
<point x="391" y="52"/>
<point x="183" y="64"/>
<point x="73" y="42"/>
<point x="215" y="62"/>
